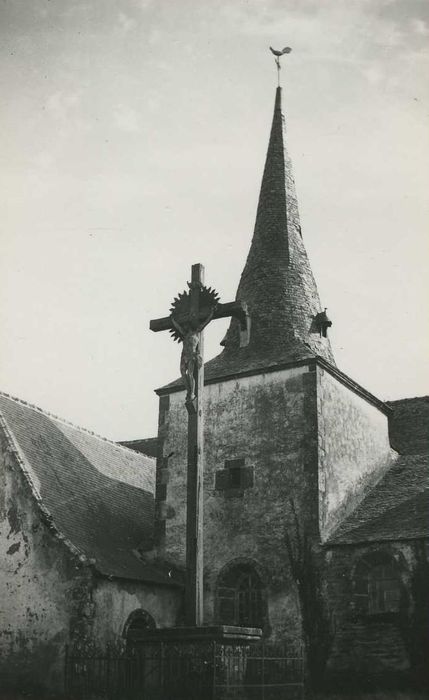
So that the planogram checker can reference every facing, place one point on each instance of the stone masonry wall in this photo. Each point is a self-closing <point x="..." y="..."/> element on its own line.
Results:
<point x="367" y="644"/>
<point x="49" y="598"/>
<point x="354" y="449"/>
<point x="115" y="601"/>
<point x="45" y="593"/>
<point x="269" y="420"/>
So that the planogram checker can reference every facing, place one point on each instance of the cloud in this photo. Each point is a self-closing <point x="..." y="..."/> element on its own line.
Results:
<point x="126" y="119"/>
<point x="44" y="160"/>
<point x="420" y="27"/>
<point x="126" y="22"/>
<point x="59" y="104"/>
<point x="143" y="4"/>
<point x="373" y="74"/>
<point x="352" y="29"/>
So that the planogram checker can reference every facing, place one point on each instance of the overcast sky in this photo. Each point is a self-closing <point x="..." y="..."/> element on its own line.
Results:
<point x="133" y="137"/>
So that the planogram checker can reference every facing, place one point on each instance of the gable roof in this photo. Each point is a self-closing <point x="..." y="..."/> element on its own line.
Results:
<point x="397" y="508"/>
<point x="98" y="495"/>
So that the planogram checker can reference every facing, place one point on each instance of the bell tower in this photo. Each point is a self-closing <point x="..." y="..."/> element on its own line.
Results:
<point x="260" y="430"/>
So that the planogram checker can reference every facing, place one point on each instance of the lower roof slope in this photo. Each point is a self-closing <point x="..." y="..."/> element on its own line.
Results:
<point x="99" y="494"/>
<point x="147" y="446"/>
<point x="397" y="508"/>
<point x="409" y="425"/>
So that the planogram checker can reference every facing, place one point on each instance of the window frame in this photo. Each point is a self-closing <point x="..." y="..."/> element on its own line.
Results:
<point x="241" y="587"/>
<point x="376" y="578"/>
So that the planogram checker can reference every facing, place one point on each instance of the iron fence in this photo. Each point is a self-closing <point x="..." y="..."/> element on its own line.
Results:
<point x="265" y="671"/>
<point x="188" y="671"/>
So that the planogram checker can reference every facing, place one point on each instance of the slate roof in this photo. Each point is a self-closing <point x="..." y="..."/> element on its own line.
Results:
<point x="99" y="495"/>
<point x="397" y="507"/>
<point x="277" y="282"/>
<point x="147" y="446"/>
<point x="409" y="425"/>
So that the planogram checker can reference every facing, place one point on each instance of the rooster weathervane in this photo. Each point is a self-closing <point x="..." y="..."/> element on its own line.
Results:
<point x="278" y="54"/>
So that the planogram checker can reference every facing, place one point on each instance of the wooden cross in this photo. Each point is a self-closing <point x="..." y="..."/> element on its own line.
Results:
<point x="194" y="310"/>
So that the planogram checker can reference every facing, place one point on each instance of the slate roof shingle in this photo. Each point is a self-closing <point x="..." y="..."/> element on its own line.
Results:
<point x="409" y="425"/>
<point x="100" y="494"/>
<point x="147" y="446"/>
<point x="396" y="508"/>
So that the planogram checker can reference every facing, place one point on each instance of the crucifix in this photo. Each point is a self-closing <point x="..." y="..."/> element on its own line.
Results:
<point x="190" y="313"/>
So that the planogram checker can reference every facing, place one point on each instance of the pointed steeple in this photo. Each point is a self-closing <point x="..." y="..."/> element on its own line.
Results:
<point x="277" y="282"/>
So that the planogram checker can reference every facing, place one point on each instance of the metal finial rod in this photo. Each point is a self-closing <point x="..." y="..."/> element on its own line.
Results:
<point x="278" y="54"/>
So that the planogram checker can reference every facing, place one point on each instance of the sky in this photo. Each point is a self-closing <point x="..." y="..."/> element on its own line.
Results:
<point x="134" y="135"/>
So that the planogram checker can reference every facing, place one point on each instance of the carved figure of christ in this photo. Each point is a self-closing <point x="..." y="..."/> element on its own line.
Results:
<point x="191" y="358"/>
<point x="189" y="328"/>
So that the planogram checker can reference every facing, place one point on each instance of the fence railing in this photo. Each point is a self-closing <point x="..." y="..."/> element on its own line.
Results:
<point x="188" y="671"/>
<point x="265" y="671"/>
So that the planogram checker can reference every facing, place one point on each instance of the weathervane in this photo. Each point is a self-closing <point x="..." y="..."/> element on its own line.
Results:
<point x="277" y="54"/>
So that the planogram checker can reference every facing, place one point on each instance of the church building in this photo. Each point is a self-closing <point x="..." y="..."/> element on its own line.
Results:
<point x="307" y="475"/>
<point x="316" y="526"/>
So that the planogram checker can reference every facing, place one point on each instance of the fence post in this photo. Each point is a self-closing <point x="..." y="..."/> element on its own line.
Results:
<point x="107" y="672"/>
<point x="66" y="669"/>
<point x="263" y="669"/>
<point x="214" y="672"/>
<point x="162" y="665"/>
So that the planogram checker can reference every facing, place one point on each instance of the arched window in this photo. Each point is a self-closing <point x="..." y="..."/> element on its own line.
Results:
<point x="240" y="597"/>
<point x="377" y="585"/>
<point x="137" y="625"/>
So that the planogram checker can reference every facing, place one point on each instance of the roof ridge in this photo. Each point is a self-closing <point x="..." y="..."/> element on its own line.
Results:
<point x="154" y="437"/>
<point x="409" y="398"/>
<point x="49" y="414"/>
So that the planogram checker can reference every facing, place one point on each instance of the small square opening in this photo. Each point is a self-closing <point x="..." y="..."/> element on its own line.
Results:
<point x="235" y="477"/>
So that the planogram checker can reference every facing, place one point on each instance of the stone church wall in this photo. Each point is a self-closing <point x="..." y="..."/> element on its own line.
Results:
<point x="49" y="599"/>
<point x="114" y="602"/>
<point x="368" y="644"/>
<point x="43" y="591"/>
<point x="353" y="446"/>
<point x="269" y="422"/>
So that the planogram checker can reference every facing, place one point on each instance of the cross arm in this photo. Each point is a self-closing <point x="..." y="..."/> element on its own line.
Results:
<point x="237" y="309"/>
<point x="161" y="324"/>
